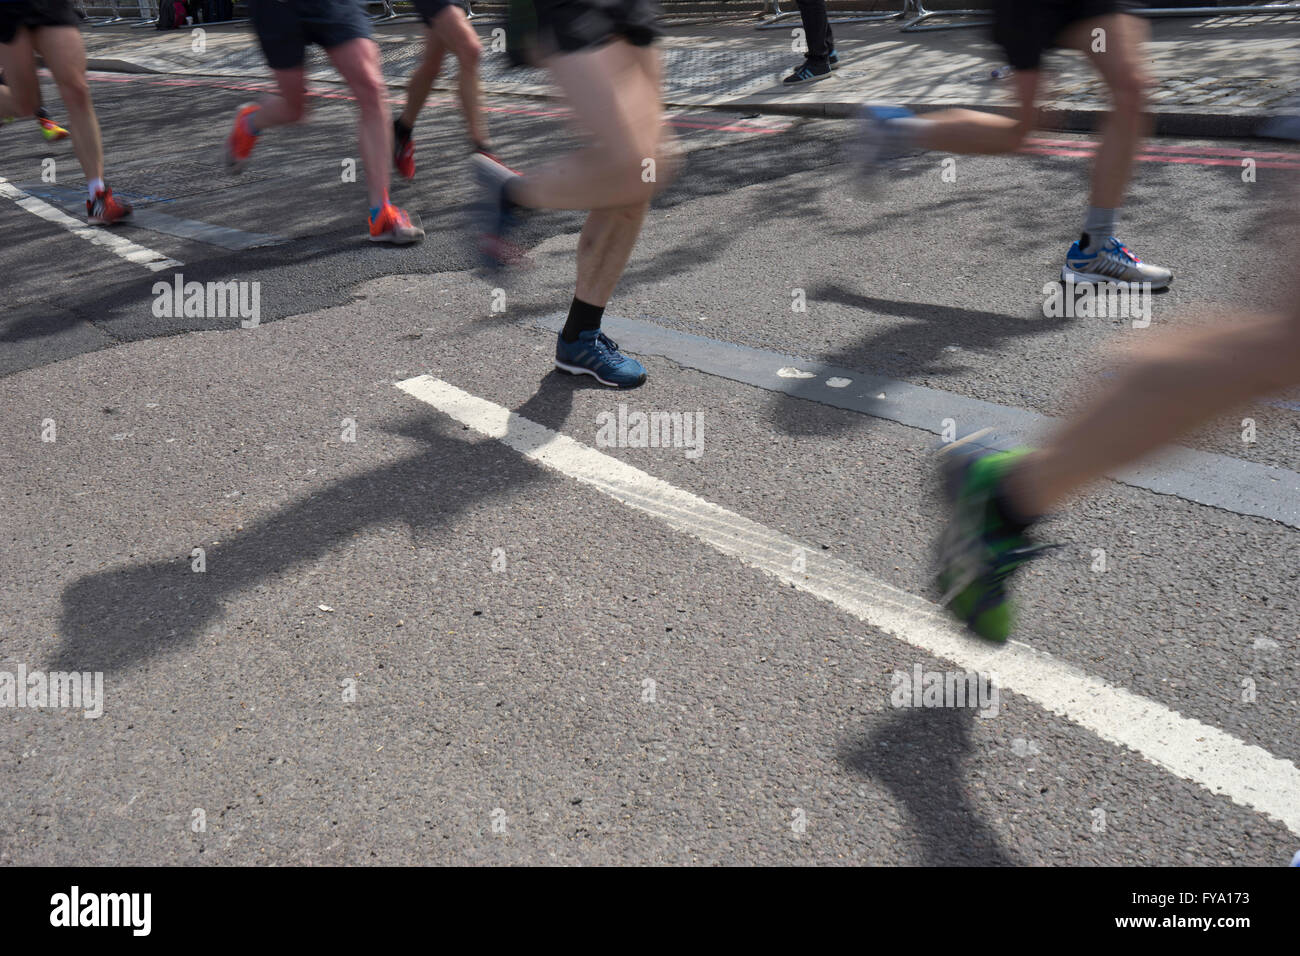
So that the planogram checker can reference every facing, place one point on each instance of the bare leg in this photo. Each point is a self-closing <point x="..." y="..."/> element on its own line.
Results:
<point x="1121" y="64"/>
<point x="358" y="63"/>
<point x="289" y="105"/>
<point x="421" y="81"/>
<point x="8" y="107"/>
<point x="64" y="54"/>
<point x="969" y="131"/>
<point x="454" y="32"/>
<point x="18" y="60"/>
<point x="1175" y="386"/>
<point x="604" y="246"/>
<point x="614" y="92"/>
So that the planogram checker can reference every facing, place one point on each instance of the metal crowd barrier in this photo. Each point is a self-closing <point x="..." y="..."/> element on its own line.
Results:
<point x="915" y="9"/>
<point x="1266" y="8"/>
<point x="388" y="12"/>
<point x="138" y="13"/>
<point x="920" y="15"/>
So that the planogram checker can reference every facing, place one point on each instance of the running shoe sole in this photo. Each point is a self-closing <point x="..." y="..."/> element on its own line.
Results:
<point x="402" y="240"/>
<point x="579" y="370"/>
<point x="812" y="79"/>
<point x="1096" y="278"/>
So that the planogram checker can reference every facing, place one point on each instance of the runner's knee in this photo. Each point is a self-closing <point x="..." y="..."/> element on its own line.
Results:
<point x="75" y="92"/>
<point x="469" y="51"/>
<point x="369" y="90"/>
<point x="1129" y="89"/>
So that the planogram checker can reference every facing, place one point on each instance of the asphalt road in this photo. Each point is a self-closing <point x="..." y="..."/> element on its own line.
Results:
<point x="413" y="643"/>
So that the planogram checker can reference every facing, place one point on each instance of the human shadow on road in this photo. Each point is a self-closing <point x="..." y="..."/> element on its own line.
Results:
<point x="918" y="755"/>
<point x="905" y="351"/>
<point x="119" y="618"/>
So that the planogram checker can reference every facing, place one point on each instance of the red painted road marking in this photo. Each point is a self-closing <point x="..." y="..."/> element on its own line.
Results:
<point x="1187" y="150"/>
<point x="1177" y="160"/>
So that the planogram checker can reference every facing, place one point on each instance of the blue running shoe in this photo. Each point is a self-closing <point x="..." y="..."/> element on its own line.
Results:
<point x="1111" y="262"/>
<point x="594" y="353"/>
<point x="876" y="145"/>
<point x="495" y="215"/>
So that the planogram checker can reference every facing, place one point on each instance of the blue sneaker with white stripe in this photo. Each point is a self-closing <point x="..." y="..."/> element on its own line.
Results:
<point x="594" y="353"/>
<point x="1111" y="262"/>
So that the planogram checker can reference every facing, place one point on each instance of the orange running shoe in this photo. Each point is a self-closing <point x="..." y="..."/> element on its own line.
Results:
<point x="403" y="153"/>
<point x="104" y="210"/>
<point x="51" y="130"/>
<point x="395" y="226"/>
<point x="240" y="142"/>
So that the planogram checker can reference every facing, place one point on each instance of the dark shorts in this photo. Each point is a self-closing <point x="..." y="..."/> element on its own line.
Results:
<point x="15" y="14"/>
<point x="285" y="27"/>
<point x="567" y="26"/>
<point x="1026" y="29"/>
<point x="428" y="9"/>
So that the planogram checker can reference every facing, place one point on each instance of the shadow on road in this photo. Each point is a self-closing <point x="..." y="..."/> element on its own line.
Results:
<point x="918" y="757"/>
<point x="119" y="618"/>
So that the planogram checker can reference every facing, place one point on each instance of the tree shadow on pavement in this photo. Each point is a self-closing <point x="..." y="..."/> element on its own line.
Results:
<point x="119" y="618"/>
<point x="917" y="755"/>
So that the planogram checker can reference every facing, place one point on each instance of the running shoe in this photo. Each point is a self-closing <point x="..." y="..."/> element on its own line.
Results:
<point x="105" y="210"/>
<point x="833" y="59"/>
<point x="240" y="142"/>
<point x="403" y="152"/>
<point x="980" y="550"/>
<point x="51" y="130"/>
<point x="495" y="215"/>
<point x="876" y="145"/>
<point x="808" y="73"/>
<point x="394" y="225"/>
<point x="1111" y="262"/>
<point x="594" y="353"/>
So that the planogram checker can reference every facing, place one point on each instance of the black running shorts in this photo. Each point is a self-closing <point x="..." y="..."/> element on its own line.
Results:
<point x="428" y="9"/>
<point x="1026" y="29"/>
<point x="567" y="26"/>
<point x="32" y="14"/>
<point x="285" y="27"/>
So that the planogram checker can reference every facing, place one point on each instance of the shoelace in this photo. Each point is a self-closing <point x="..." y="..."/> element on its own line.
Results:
<point x="607" y="348"/>
<point x="1115" y="247"/>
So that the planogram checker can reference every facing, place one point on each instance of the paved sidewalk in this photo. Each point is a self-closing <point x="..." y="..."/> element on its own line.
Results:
<point x="1214" y="77"/>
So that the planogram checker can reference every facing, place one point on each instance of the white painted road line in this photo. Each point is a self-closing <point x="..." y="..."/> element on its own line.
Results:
<point x="1242" y="487"/>
<point x="1188" y="748"/>
<point x="128" y="250"/>
<point x="236" y="240"/>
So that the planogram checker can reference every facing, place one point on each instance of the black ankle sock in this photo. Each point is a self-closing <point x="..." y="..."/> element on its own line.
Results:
<point x="583" y="317"/>
<point x="41" y="114"/>
<point x="401" y="130"/>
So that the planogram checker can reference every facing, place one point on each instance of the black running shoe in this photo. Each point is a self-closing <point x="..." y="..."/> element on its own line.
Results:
<point x="810" y="72"/>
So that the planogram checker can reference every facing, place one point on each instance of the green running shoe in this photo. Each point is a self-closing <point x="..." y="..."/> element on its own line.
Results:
<point x="979" y="550"/>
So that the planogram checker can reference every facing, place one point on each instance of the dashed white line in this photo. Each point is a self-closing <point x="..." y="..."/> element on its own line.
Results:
<point x="1184" y="746"/>
<point x="128" y="250"/>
